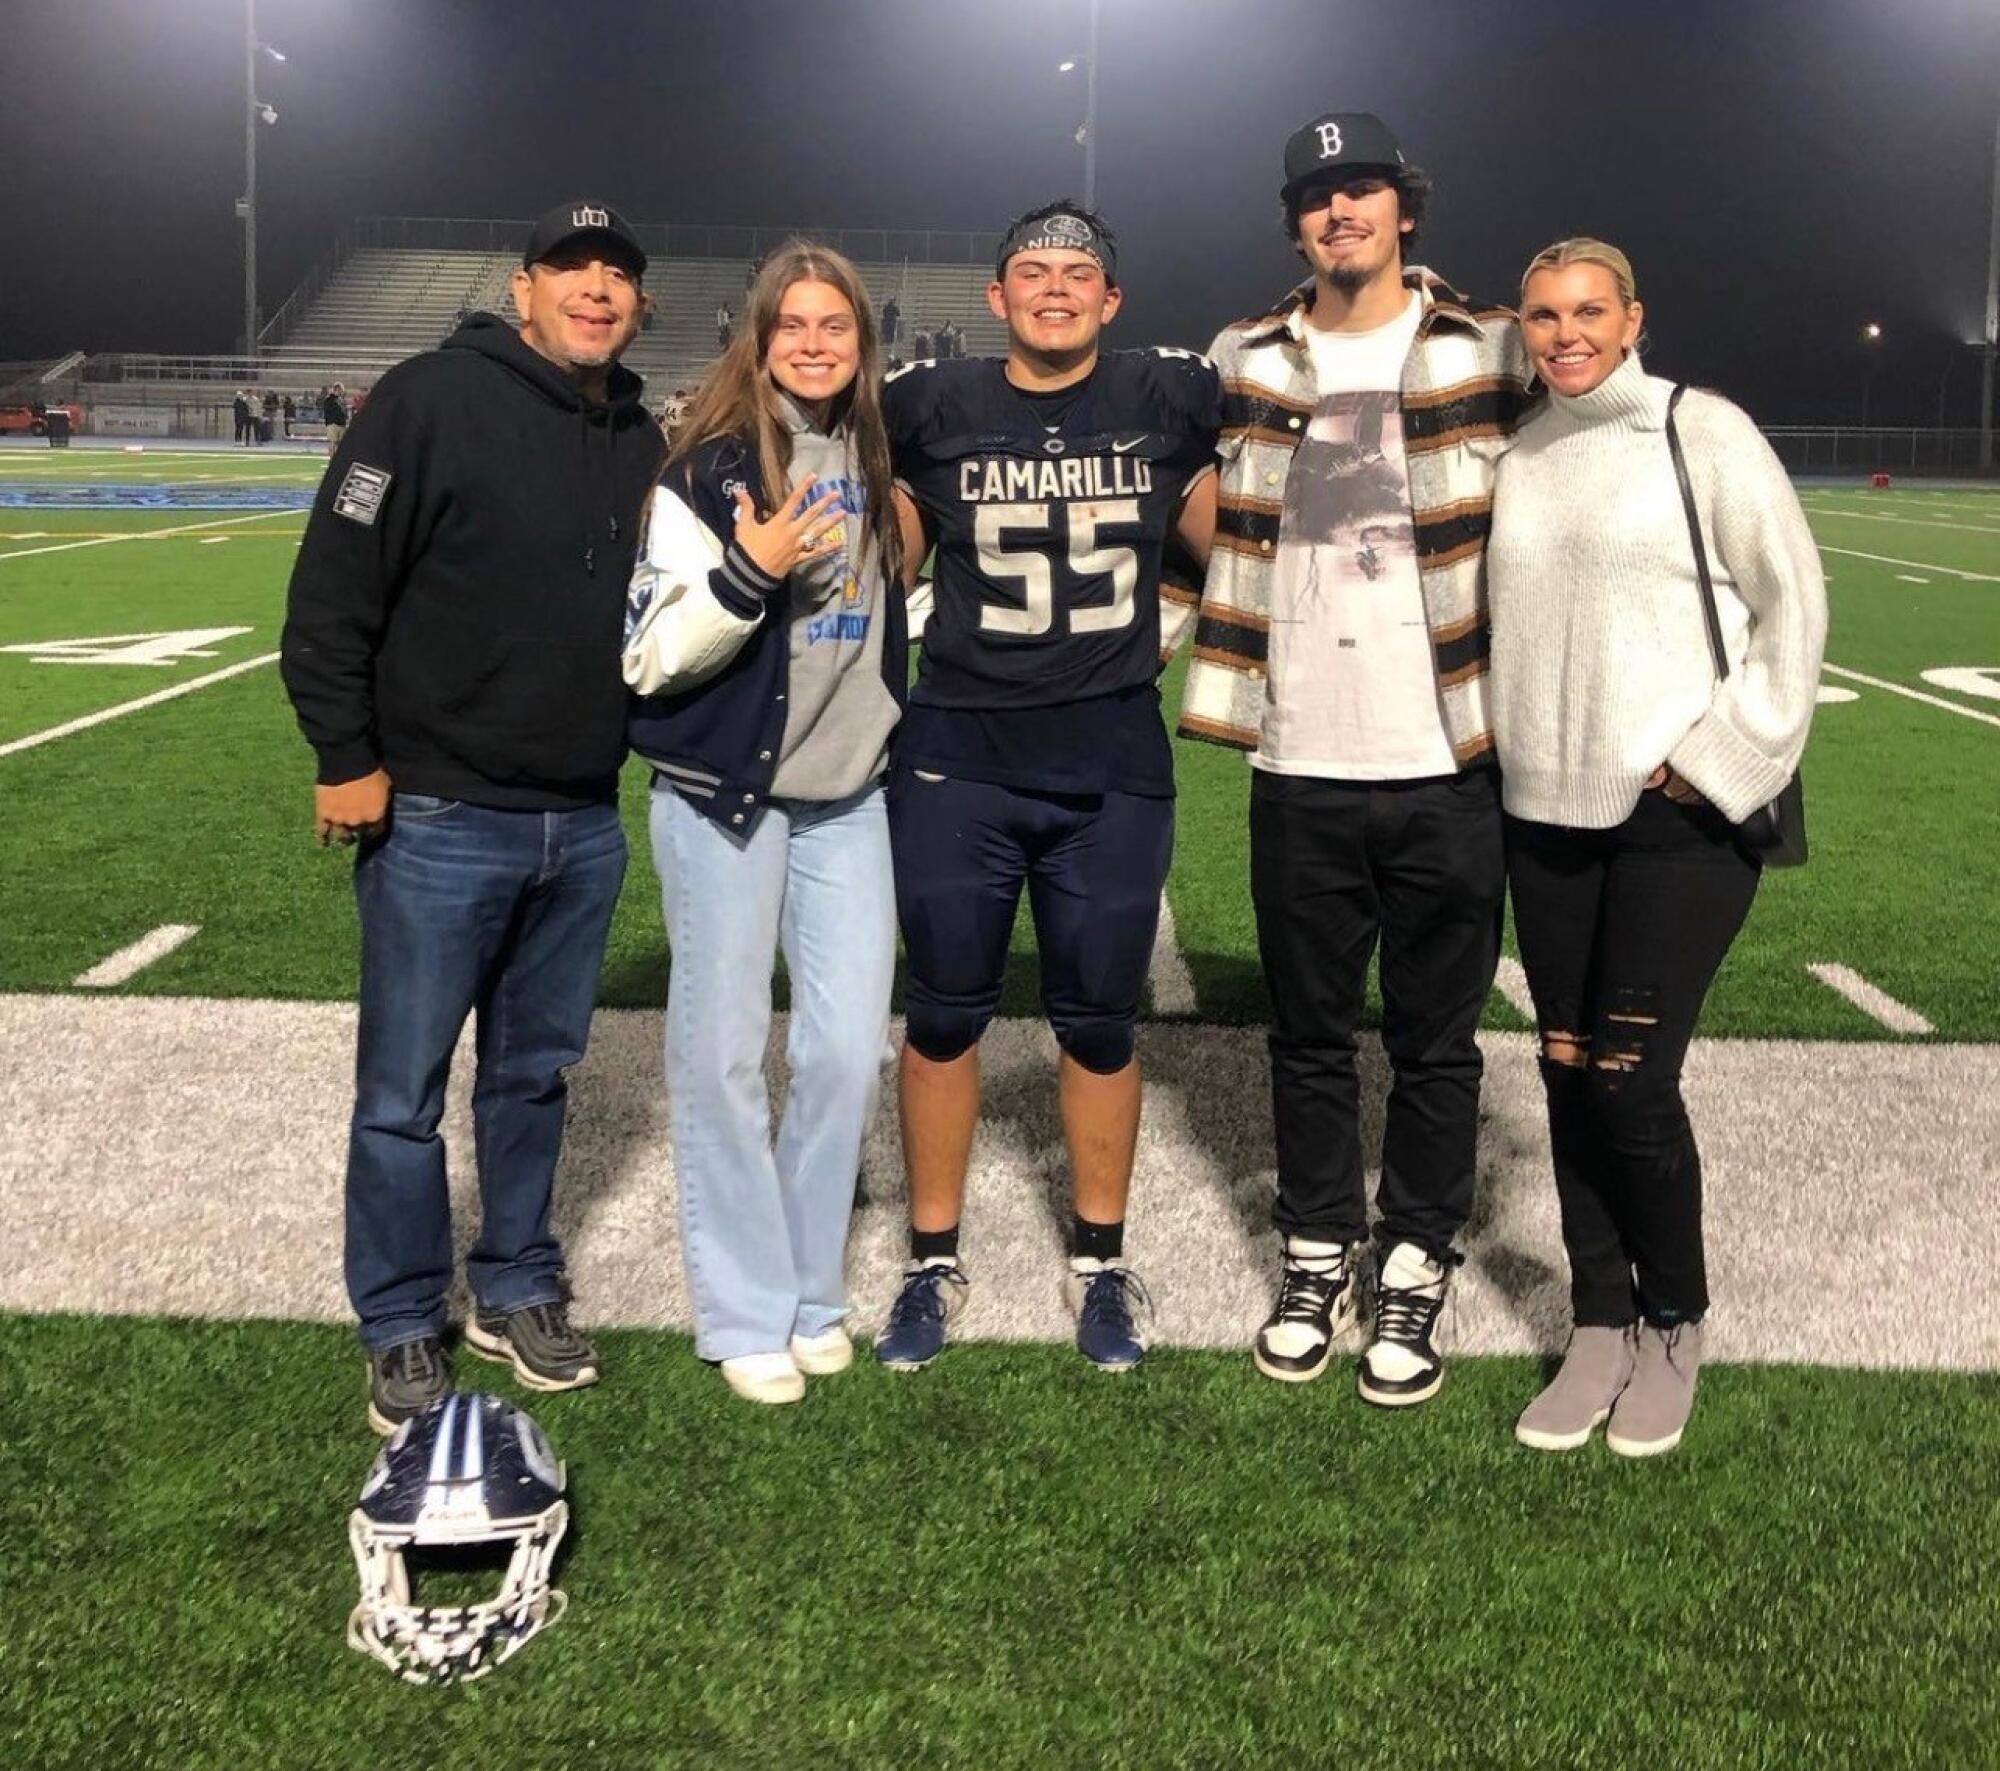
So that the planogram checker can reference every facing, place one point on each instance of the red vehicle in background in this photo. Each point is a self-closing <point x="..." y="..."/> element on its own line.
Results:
<point x="33" y="420"/>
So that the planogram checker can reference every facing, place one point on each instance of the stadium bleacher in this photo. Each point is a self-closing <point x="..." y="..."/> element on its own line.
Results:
<point x="383" y="304"/>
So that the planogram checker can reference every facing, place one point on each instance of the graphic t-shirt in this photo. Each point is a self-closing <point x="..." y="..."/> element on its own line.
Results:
<point x="1351" y="692"/>
<point x="839" y="712"/>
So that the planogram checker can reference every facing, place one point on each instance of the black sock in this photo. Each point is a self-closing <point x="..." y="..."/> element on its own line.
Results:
<point x="1097" y="1242"/>
<point x="933" y="1245"/>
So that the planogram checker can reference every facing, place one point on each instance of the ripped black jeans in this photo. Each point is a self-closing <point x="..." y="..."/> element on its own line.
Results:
<point x="1621" y="933"/>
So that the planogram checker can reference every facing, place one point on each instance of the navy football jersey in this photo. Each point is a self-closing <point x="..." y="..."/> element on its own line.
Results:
<point x="1049" y="535"/>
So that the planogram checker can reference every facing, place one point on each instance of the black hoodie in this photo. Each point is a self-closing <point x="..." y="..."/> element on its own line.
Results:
<point x="458" y="603"/>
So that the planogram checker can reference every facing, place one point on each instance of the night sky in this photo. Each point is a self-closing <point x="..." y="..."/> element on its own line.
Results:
<point x="1781" y="171"/>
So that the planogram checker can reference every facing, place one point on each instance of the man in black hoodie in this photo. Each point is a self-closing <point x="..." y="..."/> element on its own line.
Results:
<point x="451" y="649"/>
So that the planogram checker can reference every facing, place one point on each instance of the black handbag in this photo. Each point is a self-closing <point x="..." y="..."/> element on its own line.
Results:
<point x="1774" y="834"/>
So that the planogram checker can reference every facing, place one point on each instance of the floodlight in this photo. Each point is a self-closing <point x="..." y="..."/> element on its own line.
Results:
<point x="1066" y="67"/>
<point x="1871" y="331"/>
<point x="267" y="113"/>
<point x="274" y="54"/>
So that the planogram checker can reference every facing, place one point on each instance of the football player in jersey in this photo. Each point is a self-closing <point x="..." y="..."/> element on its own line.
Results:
<point x="1054" y="483"/>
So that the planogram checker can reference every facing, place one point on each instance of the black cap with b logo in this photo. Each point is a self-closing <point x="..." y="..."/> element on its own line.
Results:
<point x="1338" y="142"/>
<point x="572" y="221"/>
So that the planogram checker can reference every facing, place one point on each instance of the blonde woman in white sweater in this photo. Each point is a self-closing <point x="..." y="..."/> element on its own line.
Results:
<point x="1625" y="764"/>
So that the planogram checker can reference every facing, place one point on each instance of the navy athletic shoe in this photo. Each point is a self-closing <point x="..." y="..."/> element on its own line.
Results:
<point x="1110" y="1316"/>
<point x="933" y="1292"/>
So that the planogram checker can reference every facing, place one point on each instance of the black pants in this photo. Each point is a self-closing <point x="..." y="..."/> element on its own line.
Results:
<point x="1622" y="932"/>
<point x="1335" y="866"/>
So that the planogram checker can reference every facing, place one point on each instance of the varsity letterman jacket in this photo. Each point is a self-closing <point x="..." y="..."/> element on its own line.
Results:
<point x="1464" y="390"/>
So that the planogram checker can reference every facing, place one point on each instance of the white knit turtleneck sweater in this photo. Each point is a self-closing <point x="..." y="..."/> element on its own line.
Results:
<point x="1601" y="667"/>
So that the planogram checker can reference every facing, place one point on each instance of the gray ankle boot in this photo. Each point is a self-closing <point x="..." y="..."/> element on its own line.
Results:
<point x="1654" y="1408"/>
<point x="1596" y="1368"/>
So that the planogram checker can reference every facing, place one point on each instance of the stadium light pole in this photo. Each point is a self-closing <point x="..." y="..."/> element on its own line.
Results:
<point x="1992" y="315"/>
<point x="255" y="111"/>
<point x="1871" y="335"/>
<point x="1087" y="134"/>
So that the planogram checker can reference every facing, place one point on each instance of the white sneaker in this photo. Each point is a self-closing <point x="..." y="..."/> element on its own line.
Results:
<point x="1401" y="1365"/>
<point x="765" y="1377"/>
<point x="822" y="1354"/>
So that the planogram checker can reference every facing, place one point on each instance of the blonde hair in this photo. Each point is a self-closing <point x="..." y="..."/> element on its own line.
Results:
<point x="1584" y="250"/>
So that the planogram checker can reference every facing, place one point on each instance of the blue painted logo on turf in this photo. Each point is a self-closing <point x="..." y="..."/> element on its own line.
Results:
<point x="105" y="497"/>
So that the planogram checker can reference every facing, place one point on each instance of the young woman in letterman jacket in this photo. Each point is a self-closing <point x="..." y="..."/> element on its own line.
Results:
<point x="1625" y="763"/>
<point x="766" y="642"/>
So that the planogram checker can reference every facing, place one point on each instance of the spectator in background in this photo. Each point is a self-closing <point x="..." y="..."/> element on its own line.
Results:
<point x="920" y="347"/>
<point x="451" y="648"/>
<point x="724" y="321"/>
<point x="951" y="341"/>
<point x="240" y="408"/>
<point x="269" y="428"/>
<point x="892" y="322"/>
<point x="291" y="412"/>
<point x="333" y="414"/>
<point x="674" y="411"/>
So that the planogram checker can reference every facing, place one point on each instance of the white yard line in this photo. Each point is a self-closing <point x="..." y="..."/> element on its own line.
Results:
<point x="129" y="961"/>
<point x="1882" y="559"/>
<point x="1877" y="1005"/>
<point x="1876" y="682"/>
<point x="218" y="540"/>
<point x="154" y="700"/>
<point x="1168" y="981"/>
<point x="1512" y="983"/>
<point x="1902" y="577"/>
<point x="1876" y="516"/>
<point x="260" y="516"/>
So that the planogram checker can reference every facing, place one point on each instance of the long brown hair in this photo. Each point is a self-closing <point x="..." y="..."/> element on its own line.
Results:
<point x="739" y="399"/>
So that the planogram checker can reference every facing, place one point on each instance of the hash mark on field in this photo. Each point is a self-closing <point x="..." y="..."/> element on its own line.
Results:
<point x="1512" y="982"/>
<point x="1168" y="981"/>
<point x="1901" y="577"/>
<point x="1876" y="682"/>
<point x="128" y="962"/>
<point x="218" y="540"/>
<point x="144" y="701"/>
<point x="1877" y="1005"/>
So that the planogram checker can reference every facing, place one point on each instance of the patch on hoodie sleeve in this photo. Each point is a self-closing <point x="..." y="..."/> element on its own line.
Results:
<point x="361" y="493"/>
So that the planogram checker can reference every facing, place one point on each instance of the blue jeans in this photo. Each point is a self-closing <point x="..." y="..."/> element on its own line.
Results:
<point x="468" y="908"/>
<point x="764" y="1227"/>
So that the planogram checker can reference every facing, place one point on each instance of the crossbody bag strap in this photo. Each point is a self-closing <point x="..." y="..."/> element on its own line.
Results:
<point x="1713" y="621"/>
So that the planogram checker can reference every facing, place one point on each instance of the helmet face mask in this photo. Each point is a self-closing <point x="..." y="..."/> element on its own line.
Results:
<point x="471" y="1471"/>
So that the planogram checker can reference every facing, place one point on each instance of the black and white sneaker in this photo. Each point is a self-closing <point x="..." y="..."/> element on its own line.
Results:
<point x="538" y="1341"/>
<point x="1401" y="1366"/>
<point x="404" y="1380"/>
<point x="1315" y="1309"/>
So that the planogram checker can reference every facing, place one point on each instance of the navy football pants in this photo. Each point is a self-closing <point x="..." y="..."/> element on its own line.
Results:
<point x="1094" y="865"/>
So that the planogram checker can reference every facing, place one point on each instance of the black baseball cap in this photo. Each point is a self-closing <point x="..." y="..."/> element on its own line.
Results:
<point x="1338" y="142"/>
<point x="598" y="222"/>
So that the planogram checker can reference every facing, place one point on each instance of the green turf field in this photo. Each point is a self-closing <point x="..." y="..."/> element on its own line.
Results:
<point x="1009" y="1562"/>
<point x="194" y="811"/>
